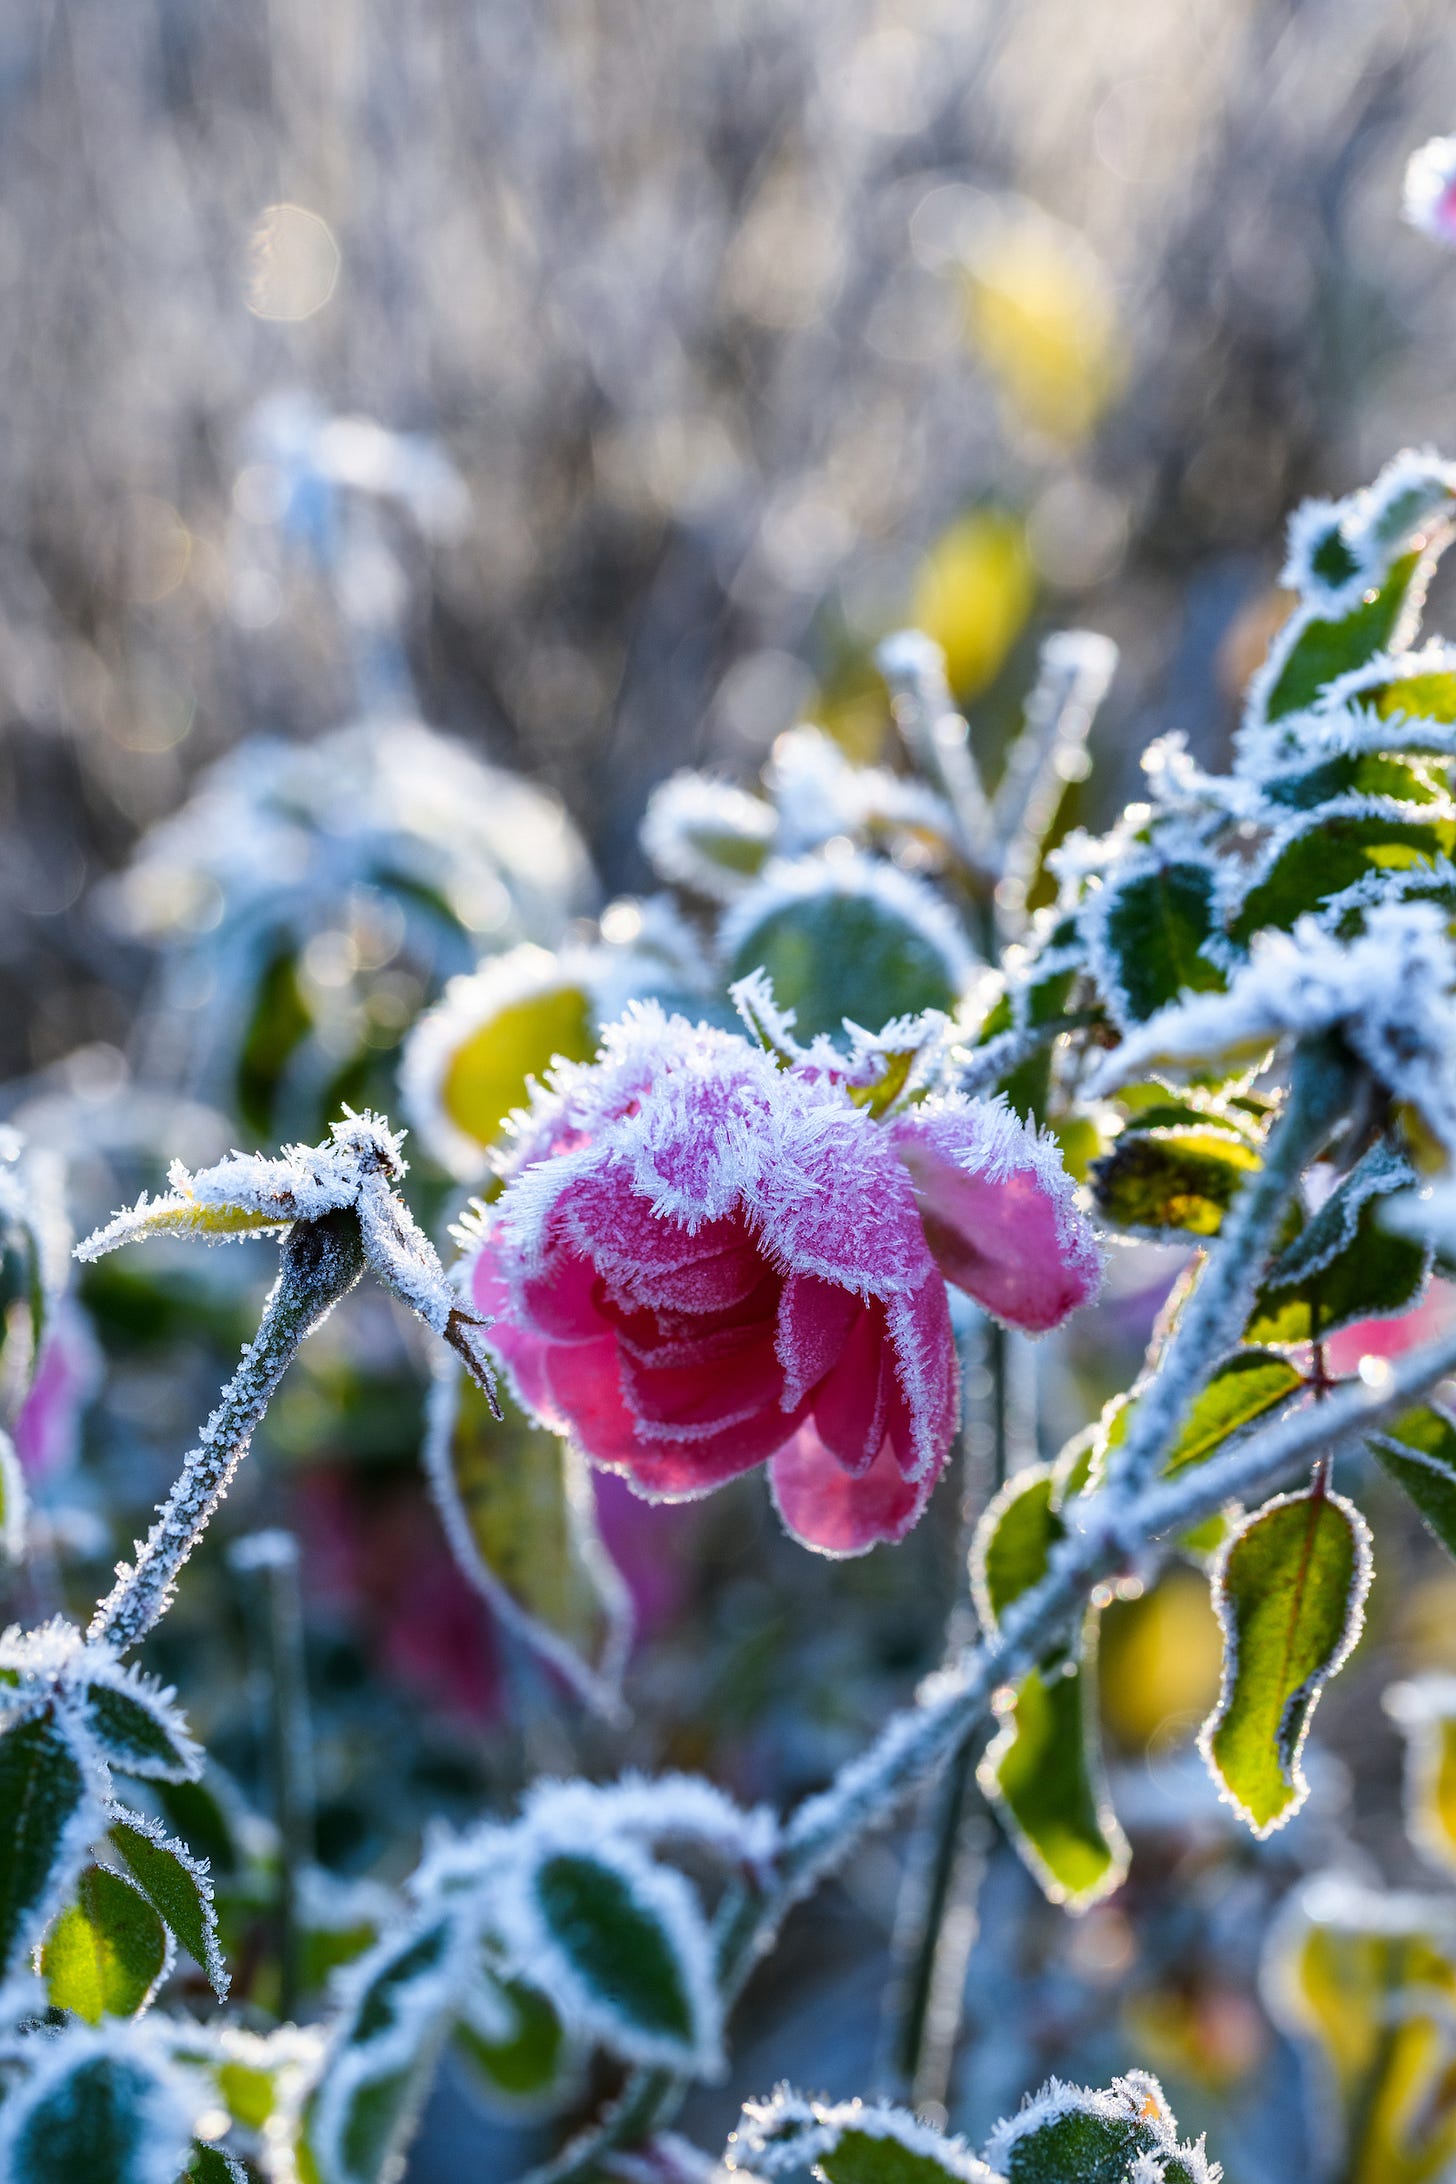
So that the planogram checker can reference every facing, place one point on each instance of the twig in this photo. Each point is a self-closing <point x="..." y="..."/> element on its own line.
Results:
<point x="321" y="1262"/>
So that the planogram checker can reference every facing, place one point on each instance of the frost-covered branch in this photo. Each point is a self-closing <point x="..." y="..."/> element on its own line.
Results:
<point x="338" y="1211"/>
<point x="1214" y="1315"/>
<point x="322" y="1260"/>
<point x="1110" y="1532"/>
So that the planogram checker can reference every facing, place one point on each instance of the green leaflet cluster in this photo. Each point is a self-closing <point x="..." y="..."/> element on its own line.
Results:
<point x="1065" y="2134"/>
<point x="526" y="1946"/>
<point x="523" y="1946"/>
<point x="1339" y="802"/>
<point x="1309" y="895"/>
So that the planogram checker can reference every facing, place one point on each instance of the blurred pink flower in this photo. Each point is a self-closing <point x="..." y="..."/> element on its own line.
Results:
<point x="704" y="1261"/>
<point x="376" y="1551"/>
<point x="1392" y="1337"/>
<point x="48" y="1423"/>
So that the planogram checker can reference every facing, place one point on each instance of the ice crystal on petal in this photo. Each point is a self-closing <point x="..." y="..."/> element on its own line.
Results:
<point x="1000" y="1210"/>
<point x="708" y="1256"/>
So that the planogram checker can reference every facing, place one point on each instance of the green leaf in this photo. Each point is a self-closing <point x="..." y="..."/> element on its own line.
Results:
<point x="1313" y="649"/>
<point x="1412" y="691"/>
<point x="210" y="2165"/>
<point x="1343" y="1266"/>
<point x="863" y="2157"/>
<point x="852" y="2142"/>
<point x="1178" y="1181"/>
<point x="1330" y="852"/>
<point x="107" y="1952"/>
<point x="1245" y="1387"/>
<point x="175" y="1885"/>
<point x="140" y="1731"/>
<point x="1012" y="1545"/>
<point x="364" y="2106"/>
<point x="91" y="2114"/>
<point x="44" y="1816"/>
<point x="1043" y="1773"/>
<point x="519" y="1512"/>
<point x="516" y="2048"/>
<point x="623" y="1949"/>
<point x="1418" y="1449"/>
<point x="1290" y="1594"/>
<point x="848" y="948"/>
<point x="1359" y="773"/>
<point x="200" y="1817"/>
<point x="1149" y="931"/>
<point x="486" y="1076"/>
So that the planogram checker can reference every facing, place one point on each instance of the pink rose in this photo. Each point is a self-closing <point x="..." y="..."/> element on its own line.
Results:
<point x="703" y="1261"/>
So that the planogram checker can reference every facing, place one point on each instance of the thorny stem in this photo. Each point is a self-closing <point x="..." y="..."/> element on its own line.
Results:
<point x="1110" y="1531"/>
<point x="321" y="1262"/>
<point x="1214" y="1317"/>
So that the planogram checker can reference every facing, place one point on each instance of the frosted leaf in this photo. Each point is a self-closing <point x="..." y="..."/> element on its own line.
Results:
<point x="773" y="1027"/>
<point x="277" y="834"/>
<point x="1063" y="2126"/>
<point x="707" y="836"/>
<point x="520" y="1516"/>
<point x="1430" y="190"/>
<point x="175" y="1884"/>
<point x="471" y="1059"/>
<point x="357" y="1167"/>
<point x="914" y="667"/>
<point x="656" y="1809"/>
<point x="1389" y="992"/>
<point x="374" y="2074"/>
<point x="1182" y="790"/>
<point x="133" y="1719"/>
<point x="853" y="938"/>
<point x="251" y="1191"/>
<point x="1073" y="673"/>
<point x="52" y="1791"/>
<point x="819" y="794"/>
<point x="781" y="2136"/>
<point x="617" y="1942"/>
<point x="99" y="2101"/>
<point x="1289" y="1589"/>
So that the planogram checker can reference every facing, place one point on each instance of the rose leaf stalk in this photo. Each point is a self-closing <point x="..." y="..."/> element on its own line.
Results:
<point x="337" y="1211"/>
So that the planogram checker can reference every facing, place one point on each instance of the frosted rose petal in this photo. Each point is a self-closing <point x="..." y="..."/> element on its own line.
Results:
<point x="851" y="1406"/>
<point x="1000" y="1216"/>
<point x="836" y="1513"/>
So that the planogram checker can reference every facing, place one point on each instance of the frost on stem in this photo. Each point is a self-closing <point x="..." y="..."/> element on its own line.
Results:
<point x="338" y="1211"/>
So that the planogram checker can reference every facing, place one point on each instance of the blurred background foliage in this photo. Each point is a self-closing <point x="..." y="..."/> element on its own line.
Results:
<point x="750" y="330"/>
<point x="709" y="343"/>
